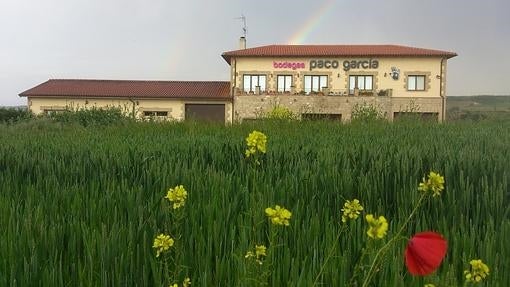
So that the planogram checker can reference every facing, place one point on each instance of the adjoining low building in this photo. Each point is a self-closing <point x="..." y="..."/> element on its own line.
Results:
<point x="176" y="100"/>
<point x="313" y="81"/>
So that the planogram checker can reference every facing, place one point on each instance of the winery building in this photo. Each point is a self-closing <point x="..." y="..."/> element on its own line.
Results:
<point x="314" y="81"/>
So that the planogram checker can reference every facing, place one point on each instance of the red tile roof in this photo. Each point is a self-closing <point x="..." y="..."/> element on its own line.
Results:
<point x="336" y="50"/>
<point x="127" y="89"/>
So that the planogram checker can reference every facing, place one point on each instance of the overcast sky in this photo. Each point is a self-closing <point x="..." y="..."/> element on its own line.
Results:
<point x="183" y="40"/>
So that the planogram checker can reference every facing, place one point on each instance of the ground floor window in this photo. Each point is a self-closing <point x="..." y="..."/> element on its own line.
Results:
<point x="361" y="82"/>
<point x="416" y="83"/>
<point x="416" y="116"/>
<point x="284" y="83"/>
<point x="50" y="112"/>
<point x="155" y="114"/>
<point x="251" y="82"/>
<point x="315" y="83"/>
<point x="321" y="117"/>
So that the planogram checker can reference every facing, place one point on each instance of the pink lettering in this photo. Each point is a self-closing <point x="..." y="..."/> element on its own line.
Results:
<point x="288" y="65"/>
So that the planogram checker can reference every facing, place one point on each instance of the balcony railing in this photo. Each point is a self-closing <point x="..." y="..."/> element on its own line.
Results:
<point x="324" y="92"/>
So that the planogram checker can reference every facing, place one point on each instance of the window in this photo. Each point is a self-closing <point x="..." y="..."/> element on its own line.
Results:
<point x="363" y="83"/>
<point x="416" y="83"/>
<point x="315" y="83"/>
<point x="284" y="83"/>
<point x="50" y="112"/>
<point x="250" y="82"/>
<point x="155" y="114"/>
<point x="321" y="117"/>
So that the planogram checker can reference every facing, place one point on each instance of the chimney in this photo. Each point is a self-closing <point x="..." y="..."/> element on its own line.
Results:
<point x="242" y="43"/>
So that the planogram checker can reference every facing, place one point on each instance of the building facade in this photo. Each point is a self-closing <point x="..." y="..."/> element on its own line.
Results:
<point x="313" y="81"/>
<point x="329" y="81"/>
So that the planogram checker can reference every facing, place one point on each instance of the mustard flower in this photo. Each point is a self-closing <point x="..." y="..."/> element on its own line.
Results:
<point x="185" y="283"/>
<point x="477" y="272"/>
<point x="278" y="215"/>
<point x="258" y="255"/>
<point x="429" y="285"/>
<point x="378" y="227"/>
<point x="162" y="243"/>
<point x="434" y="184"/>
<point x="177" y="195"/>
<point x="256" y="142"/>
<point x="351" y="210"/>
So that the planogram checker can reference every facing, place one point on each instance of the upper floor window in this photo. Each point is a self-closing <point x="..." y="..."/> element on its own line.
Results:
<point x="416" y="83"/>
<point x="250" y="82"/>
<point x="284" y="83"/>
<point x="362" y="83"/>
<point x="315" y="83"/>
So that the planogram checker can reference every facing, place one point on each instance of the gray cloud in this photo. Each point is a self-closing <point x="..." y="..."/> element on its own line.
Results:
<point x="183" y="40"/>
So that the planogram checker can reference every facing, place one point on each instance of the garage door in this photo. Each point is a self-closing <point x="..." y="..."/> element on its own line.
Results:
<point x="205" y="112"/>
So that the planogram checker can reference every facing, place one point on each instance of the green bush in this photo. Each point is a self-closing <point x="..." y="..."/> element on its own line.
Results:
<point x="12" y="115"/>
<point x="281" y="113"/>
<point x="366" y="112"/>
<point x="91" y="117"/>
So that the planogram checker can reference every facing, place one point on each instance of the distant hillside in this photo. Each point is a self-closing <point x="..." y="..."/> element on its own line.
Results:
<point x="479" y="103"/>
<point x="14" y="107"/>
<point x="478" y="108"/>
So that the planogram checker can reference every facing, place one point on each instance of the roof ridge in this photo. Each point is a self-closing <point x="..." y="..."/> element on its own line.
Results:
<point x="139" y="81"/>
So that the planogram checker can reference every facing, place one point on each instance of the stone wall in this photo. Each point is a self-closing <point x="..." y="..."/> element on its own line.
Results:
<point x="254" y="106"/>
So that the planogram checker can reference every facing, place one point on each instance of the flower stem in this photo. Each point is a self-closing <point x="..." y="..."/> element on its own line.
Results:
<point x="388" y="244"/>
<point x="330" y="254"/>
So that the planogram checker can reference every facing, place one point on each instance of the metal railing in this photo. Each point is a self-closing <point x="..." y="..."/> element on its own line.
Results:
<point x="324" y="92"/>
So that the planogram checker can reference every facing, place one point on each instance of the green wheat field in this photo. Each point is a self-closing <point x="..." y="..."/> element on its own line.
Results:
<point x="81" y="206"/>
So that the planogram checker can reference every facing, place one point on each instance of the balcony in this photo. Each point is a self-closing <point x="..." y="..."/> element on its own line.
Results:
<point x="324" y="92"/>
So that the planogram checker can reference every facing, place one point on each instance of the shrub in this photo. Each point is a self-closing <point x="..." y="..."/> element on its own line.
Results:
<point x="280" y="113"/>
<point x="366" y="112"/>
<point x="91" y="117"/>
<point x="12" y="115"/>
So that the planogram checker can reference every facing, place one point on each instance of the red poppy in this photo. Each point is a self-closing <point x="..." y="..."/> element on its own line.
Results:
<point x="424" y="253"/>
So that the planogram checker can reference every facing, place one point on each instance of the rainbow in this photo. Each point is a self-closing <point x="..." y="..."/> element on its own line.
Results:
<point x="311" y="23"/>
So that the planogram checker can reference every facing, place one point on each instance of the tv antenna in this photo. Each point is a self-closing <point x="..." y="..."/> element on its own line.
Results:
<point x="245" y="29"/>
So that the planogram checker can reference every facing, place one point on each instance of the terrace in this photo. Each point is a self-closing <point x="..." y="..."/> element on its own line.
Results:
<point x="324" y="92"/>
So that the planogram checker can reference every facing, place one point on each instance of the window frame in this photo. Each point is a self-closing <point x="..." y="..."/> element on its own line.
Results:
<point x="318" y="78"/>
<point x="356" y="83"/>
<point x="416" y="83"/>
<point x="285" y="79"/>
<point x="155" y="114"/>
<point x="252" y="87"/>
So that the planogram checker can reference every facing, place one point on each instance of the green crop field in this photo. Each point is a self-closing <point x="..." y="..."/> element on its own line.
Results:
<point x="82" y="206"/>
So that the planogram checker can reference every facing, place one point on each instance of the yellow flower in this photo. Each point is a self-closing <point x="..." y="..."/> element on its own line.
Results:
<point x="173" y="285"/>
<point x="186" y="282"/>
<point x="351" y="210"/>
<point x="162" y="243"/>
<point x="278" y="215"/>
<point x="429" y="285"/>
<point x="256" y="142"/>
<point x="434" y="184"/>
<point x="378" y="227"/>
<point x="477" y="272"/>
<point x="260" y="252"/>
<point x="177" y="195"/>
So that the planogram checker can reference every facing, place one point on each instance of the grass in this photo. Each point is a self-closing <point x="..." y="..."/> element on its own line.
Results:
<point x="81" y="206"/>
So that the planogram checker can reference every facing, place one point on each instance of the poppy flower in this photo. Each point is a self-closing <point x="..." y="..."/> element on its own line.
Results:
<point x="424" y="253"/>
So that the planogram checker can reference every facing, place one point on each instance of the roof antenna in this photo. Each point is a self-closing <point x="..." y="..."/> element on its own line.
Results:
<point x="245" y="29"/>
<point x="242" y="40"/>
